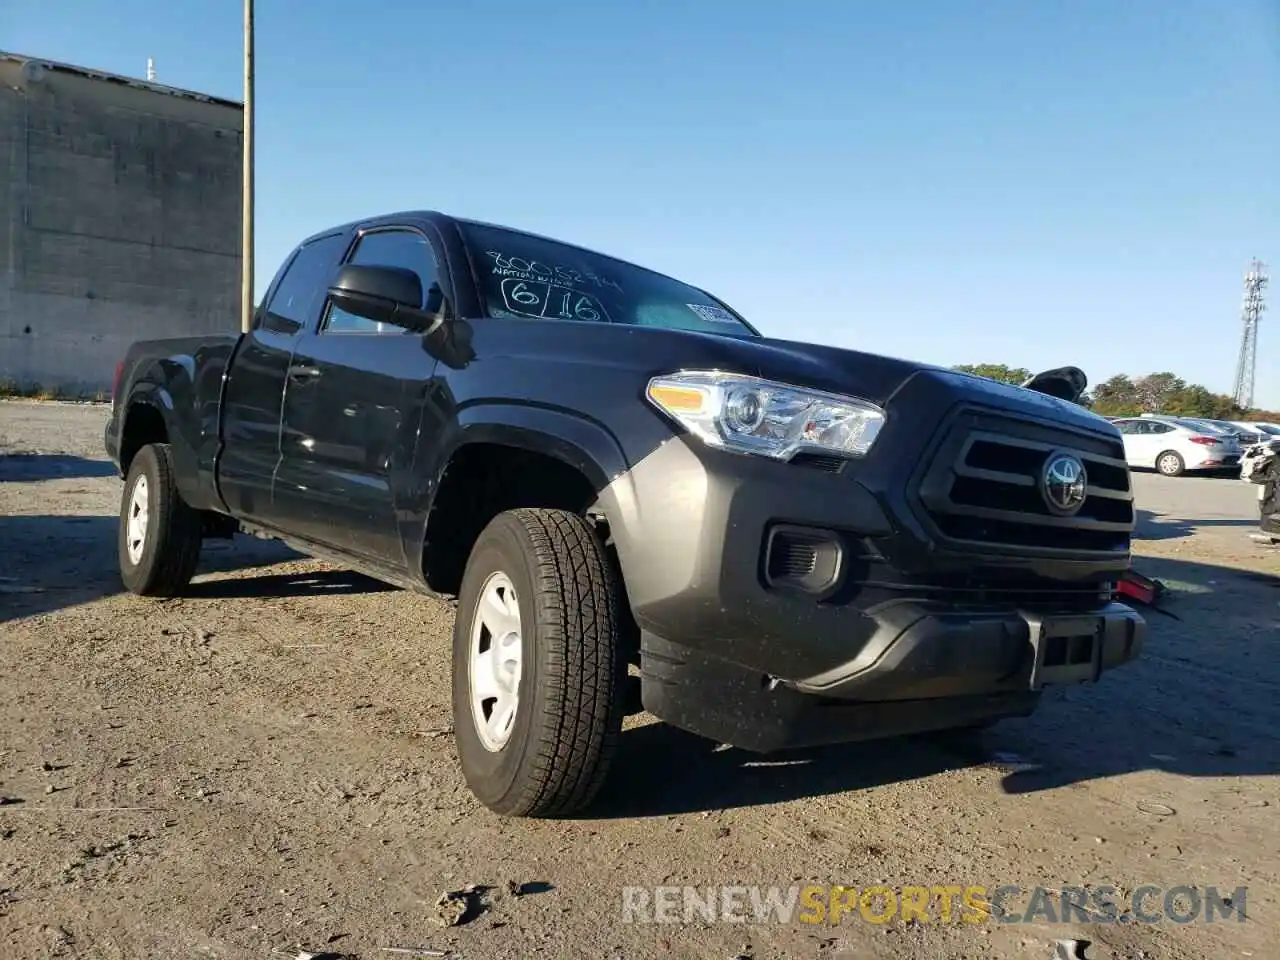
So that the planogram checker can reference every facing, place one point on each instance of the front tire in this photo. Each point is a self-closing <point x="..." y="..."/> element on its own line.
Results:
<point x="1170" y="464"/>
<point x="538" y="667"/>
<point x="158" y="542"/>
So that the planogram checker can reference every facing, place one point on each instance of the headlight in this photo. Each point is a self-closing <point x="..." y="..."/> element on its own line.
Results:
<point x="749" y="415"/>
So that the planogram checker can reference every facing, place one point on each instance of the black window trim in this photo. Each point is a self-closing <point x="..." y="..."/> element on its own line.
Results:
<point x="322" y="323"/>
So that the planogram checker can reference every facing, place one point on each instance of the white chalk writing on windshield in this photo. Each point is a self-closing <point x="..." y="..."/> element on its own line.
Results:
<point x="520" y="268"/>
<point x="550" y="300"/>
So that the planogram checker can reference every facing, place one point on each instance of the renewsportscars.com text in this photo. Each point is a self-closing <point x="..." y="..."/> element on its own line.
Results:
<point x="946" y="903"/>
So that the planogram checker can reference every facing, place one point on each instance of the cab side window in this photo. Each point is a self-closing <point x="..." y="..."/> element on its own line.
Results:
<point x="397" y="247"/>
<point x="300" y="292"/>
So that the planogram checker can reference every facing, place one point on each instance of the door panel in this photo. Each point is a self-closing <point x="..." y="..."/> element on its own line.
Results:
<point x="351" y="417"/>
<point x="1157" y="438"/>
<point x="1132" y="441"/>
<point x="350" y="429"/>
<point x="251" y="423"/>
<point x="253" y="399"/>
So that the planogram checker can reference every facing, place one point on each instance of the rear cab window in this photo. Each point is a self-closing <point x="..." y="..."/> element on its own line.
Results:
<point x="521" y="275"/>
<point x="300" y="293"/>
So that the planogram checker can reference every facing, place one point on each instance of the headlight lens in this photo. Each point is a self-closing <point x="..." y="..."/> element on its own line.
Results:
<point x="750" y="415"/>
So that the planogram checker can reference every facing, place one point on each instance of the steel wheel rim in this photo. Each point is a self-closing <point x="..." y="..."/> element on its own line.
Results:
<point x="136" y="524"/>
<point x="495" y="662"/>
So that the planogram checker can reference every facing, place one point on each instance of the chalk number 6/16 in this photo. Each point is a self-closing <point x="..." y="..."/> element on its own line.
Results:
<point x="583" y="309"/>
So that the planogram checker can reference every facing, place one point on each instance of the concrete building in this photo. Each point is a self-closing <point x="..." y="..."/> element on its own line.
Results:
<point x="119" y="220"/>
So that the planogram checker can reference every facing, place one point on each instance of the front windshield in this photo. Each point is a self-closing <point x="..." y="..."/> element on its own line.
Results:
<point x="525" y="276"/>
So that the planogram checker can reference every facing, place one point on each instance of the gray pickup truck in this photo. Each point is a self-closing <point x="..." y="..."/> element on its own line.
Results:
<point x="637" y="500"/>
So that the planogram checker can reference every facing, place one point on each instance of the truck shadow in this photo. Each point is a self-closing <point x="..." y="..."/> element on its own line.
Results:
<point x="309" y="583"/>
<point x="33" y="467"/>
<point x="51" y="562"/>
<point x="1202" y="700"/>
<point x="1160" y="526"/>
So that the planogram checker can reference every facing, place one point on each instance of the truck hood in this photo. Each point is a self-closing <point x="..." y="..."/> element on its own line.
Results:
<point x="836" y="369"/>
<point x="876" y="377"/>
<point x="591" y="350"/>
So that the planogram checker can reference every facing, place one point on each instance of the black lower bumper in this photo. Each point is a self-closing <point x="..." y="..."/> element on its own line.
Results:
<point x="788" y="604"/>
<point x="943" y="670"/>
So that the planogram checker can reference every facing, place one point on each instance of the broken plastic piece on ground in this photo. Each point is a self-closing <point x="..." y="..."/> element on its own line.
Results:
<point x="1143" y="589"/>
<point x="1134" y="587"/>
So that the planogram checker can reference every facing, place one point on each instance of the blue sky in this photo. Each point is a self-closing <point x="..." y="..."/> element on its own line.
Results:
<point x="1030" y="183"/>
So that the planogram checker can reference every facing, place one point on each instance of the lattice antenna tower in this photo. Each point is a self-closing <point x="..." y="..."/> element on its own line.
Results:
<point x="1255" y="279"/>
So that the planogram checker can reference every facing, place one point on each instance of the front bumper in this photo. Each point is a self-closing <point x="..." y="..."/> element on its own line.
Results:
<point x="695" y="530"/>
<point x="915" y="628"/>
<point x="934" y="670"/>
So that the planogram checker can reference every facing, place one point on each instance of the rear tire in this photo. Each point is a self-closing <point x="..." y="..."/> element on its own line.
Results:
<point x="158" y="542"/>
<point x="1171" y="464"/>
<point x="538" y="665"/>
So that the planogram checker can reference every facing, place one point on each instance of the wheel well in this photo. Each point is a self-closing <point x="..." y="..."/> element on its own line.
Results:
<point x="481" y="481"/>
<point x="143" y="424"/>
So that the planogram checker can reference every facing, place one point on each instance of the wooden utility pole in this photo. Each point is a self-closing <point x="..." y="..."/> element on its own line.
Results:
<point x="246" y="179"/>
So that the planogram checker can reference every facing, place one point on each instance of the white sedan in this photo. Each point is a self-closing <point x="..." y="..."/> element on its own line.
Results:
<point x="1173" y="445"/>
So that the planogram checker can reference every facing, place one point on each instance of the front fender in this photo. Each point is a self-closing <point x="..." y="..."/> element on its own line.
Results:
<point x="577" y="440"/>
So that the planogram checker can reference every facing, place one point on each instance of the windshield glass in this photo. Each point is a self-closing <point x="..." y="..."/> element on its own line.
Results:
<point x="524" y="276"/>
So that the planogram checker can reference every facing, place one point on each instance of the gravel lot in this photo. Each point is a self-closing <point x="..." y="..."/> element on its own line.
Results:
<point x="265" y="766"/>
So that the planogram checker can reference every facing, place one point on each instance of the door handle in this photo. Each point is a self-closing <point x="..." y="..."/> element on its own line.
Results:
<point x="303" y="372"/>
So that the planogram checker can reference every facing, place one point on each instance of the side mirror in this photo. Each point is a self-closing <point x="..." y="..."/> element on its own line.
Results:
<point x="1065" y="383"/>
<point x="384" y="294"/>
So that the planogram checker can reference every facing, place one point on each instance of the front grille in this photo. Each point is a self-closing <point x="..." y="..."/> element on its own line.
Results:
<point x="983" y="487"/>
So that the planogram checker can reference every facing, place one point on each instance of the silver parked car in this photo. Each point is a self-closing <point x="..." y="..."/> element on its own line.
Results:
<point x="1265" y="431"/>
<point x="1247" y="435"/>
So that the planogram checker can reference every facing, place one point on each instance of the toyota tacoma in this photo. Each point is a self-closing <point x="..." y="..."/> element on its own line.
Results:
<point x="637" y="501"/>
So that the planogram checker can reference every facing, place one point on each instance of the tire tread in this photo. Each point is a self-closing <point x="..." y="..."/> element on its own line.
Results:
<point x="576" y="603"/>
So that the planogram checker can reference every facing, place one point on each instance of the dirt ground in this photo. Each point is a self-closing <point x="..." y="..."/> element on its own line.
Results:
<point x="265" y="767"/>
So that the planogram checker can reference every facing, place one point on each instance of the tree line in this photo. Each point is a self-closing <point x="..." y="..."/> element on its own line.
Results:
<point x="1125" y="396"/>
